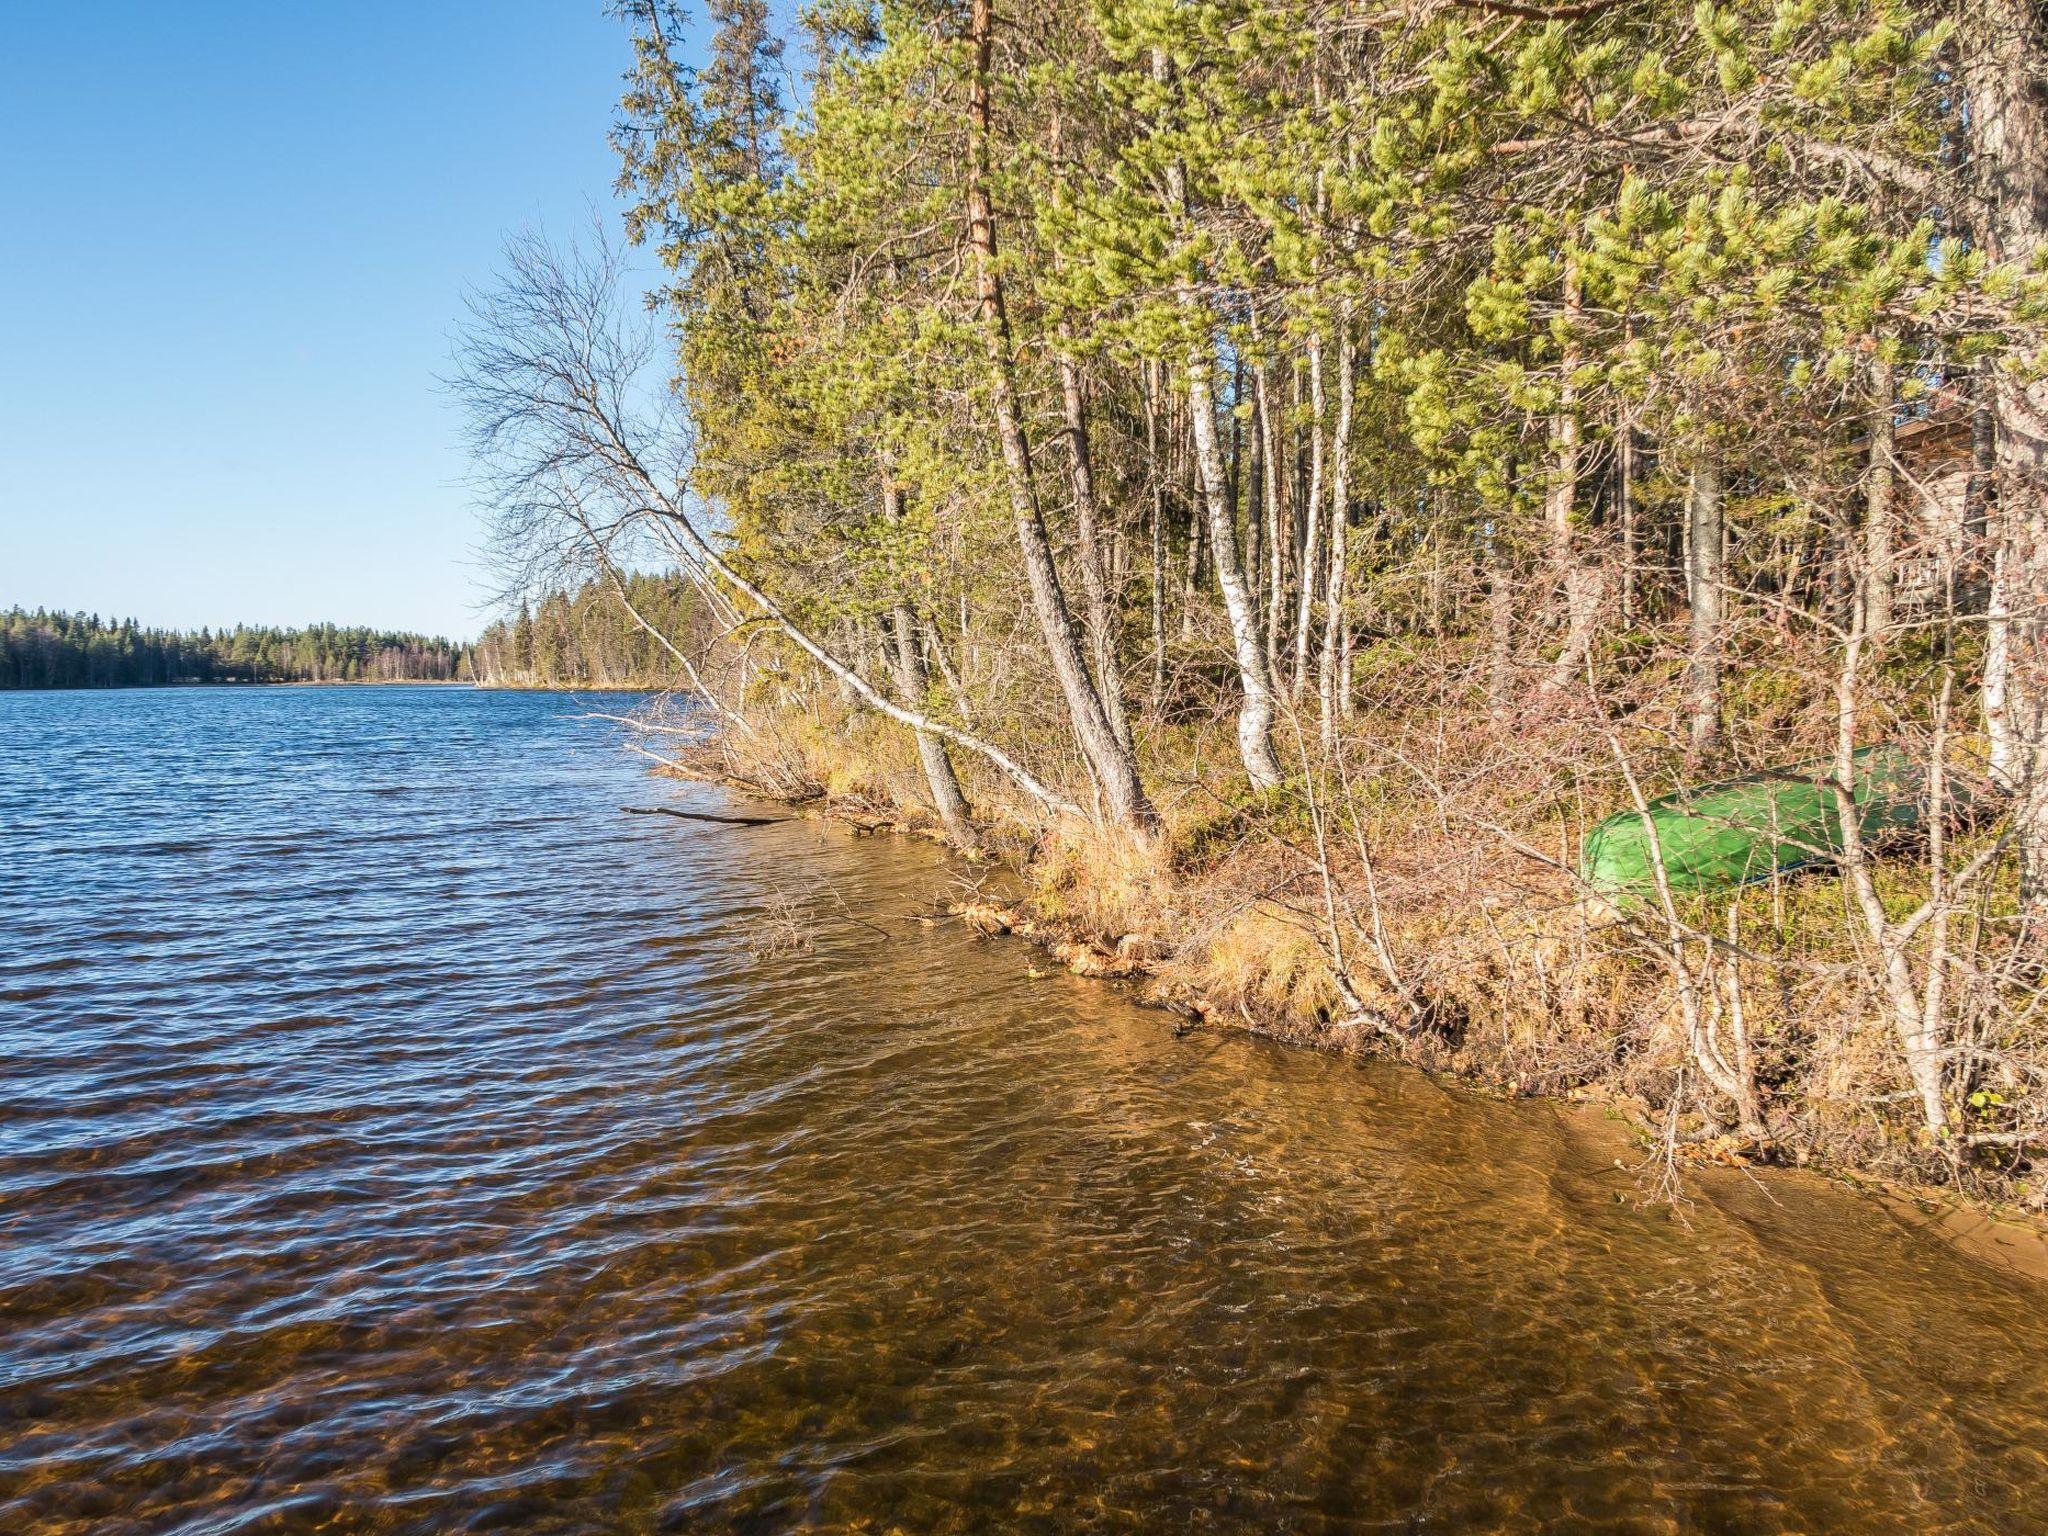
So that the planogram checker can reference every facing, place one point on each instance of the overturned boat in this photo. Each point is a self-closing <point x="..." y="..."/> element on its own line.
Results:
<point x="1739" y="831"/>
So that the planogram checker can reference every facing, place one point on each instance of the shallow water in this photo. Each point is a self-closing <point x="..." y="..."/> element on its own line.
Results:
<point x="396" y="1137"/>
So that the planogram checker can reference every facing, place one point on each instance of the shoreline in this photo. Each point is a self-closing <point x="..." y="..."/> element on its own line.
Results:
<point x="638" y="687"/>
<point x="1996" y="1233"/>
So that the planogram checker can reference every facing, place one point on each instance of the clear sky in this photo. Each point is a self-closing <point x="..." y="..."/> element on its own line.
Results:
<point x="234" y="240"/>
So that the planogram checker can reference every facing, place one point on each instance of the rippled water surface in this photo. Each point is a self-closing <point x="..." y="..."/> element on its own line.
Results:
<point x="396" y="1137"/>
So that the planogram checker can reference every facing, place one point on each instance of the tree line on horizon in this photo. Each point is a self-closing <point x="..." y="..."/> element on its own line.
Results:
<point x="580" y="638"/>
<point x="1377" y="440"/>
<point x="43" y="649"/>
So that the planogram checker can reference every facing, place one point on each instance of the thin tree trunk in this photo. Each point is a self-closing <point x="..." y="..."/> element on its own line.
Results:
<point x="1276" y="515"/>
<point x="1581" y="584"/>
<point x="1255" y="533"/>
<point x="1311" y="551"/>
<point x="1878" y="533"/>
<point x="914" y="684"/>
<point x="1500" y="617"/>
<point x="1919" y="1024"/>
<point x="1158" y="533"/>
<point x="1435" y="606"/>
<point x="1980" y="496"/>
<point x="1114" y="769"/>
<point x="1101" y="623"/>
<point x="1983" y="482"/>
<point x="1585" y="588"/>
<point x="1297" y="488"/>
<point x="2006" y="79"/>
<point x="2018" y="724"/>
<point x="1191" y="570"/>
<point x="1561" y="496"/>
<point x="1100" y="618"/>
<point x="1255" y="709"/>
<point x="1347" y="638"/>
<point x="1703" y="510"/>
<point x="1625" y="510"/>
<point x="1233" y="475"/>
<point x="1331" y="678"/>
<point x="935" y="643"/>
<point x="1255" y="706"/>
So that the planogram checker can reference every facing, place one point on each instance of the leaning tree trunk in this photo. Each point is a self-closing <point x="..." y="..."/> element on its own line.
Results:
<point x="1109" y="760"/>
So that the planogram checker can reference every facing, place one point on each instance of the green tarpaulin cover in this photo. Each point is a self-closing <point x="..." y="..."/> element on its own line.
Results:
<point x="1741" y="830"/>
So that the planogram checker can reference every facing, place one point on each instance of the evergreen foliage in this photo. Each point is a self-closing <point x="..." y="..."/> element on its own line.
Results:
<point x="75" y="650"/>
<point x="587" y="638"/>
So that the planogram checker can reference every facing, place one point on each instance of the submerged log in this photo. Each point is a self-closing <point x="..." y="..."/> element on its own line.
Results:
<point x="723" y="821"/>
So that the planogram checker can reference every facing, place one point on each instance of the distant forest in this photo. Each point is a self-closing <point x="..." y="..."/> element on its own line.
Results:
<point x="76" y="650"/>
<point x="581" y="639"/>
<point x="588" y="638"/>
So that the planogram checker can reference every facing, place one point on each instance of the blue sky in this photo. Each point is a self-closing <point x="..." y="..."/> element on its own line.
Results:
<point x="234" y="241"/>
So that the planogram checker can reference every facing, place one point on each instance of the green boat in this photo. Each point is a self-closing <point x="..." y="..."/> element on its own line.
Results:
<point x="1739" y="831"/>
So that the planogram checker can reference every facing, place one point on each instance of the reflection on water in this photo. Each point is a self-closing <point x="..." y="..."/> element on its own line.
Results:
<point x="395" y="1137"/>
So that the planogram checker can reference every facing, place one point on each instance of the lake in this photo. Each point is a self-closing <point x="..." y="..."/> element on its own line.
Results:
<point x="396" y="1136"/>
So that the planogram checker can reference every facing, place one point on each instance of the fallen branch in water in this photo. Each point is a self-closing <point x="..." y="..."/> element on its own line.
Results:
<point x="724" y="821"/>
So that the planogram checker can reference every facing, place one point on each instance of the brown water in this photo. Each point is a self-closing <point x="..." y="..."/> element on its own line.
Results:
<point x="394" y="1137"/>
